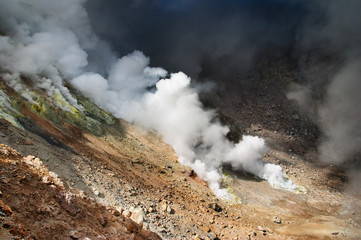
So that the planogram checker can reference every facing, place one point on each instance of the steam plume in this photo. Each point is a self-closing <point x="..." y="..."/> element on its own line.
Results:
<point x="331" y="67"/>
<point x="175" y="111"/>
<point x="199" y="140"/>
<point x="340" y="116"/>
<point x="43" y="42"/>
<point x="331" y="64"/>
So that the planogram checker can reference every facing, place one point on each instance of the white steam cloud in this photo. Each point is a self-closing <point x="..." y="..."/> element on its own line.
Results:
<point x="45" y="41"/>
<point x="175" y="111"/>
<point x="48" y="41"/>
<point x="127" y="80"/>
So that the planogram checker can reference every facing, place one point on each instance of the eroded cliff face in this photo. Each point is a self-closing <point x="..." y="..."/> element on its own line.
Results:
<point x="107" y="171"/>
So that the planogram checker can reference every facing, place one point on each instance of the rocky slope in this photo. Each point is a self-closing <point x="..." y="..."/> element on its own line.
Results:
<point x="36" y="204"/>
<point x="107" y="171"/>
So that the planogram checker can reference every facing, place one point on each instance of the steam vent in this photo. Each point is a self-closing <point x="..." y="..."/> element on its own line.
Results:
<point x="180" y="120"/>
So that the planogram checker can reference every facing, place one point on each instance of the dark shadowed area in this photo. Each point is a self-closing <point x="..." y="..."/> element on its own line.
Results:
<point x="186" y="35"/>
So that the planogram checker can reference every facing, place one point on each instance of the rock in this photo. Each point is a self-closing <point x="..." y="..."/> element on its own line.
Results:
<point x="126" y="213"/>
<point x="28" y="142"/>
<point x="146" y="226"/>
<point x="170" y="210"/>
<point x="4" y="180"/>
<point x="116" y="213"/>
<point x="162" y="230"/>
<point x="164" y="207"/>
<point x="191" y="173"/>
<point x="215" y="207"/>
<point x="334" y="233"/>
<point x="196" y="237"/>
<point x="5" y="209"/>
<point x="74" y="234"/>
<point x="277" y="220"/>
<point x="131" y="227"/>
<point x="119" y="210"/>
<point x="137" y="216"/>
<point x="212" y="236"/>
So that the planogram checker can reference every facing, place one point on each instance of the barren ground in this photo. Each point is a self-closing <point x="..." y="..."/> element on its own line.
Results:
<point x="131" y="167"/>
